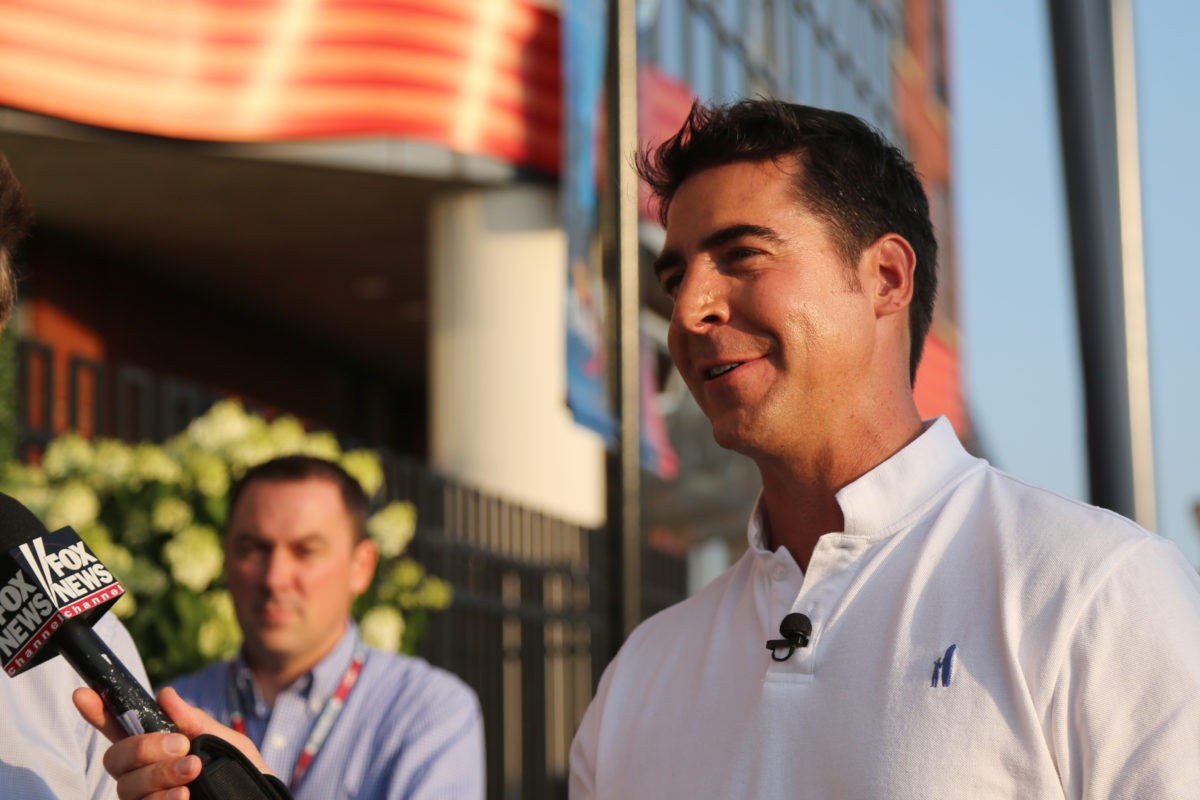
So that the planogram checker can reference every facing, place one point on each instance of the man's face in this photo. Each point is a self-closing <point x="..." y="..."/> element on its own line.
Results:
<point x="293" y="568"/>
<point x="770" y="330"/>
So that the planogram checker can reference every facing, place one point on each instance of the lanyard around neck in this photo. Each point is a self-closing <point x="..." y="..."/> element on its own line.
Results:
<point x="324" y="724"/>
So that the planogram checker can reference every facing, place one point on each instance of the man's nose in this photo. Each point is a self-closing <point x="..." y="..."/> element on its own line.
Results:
<point x="701" y="301"/>
<point x="277" y="568"/>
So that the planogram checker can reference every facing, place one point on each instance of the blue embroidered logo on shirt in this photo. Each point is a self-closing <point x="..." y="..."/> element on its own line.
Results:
<point x="943" y="666"/>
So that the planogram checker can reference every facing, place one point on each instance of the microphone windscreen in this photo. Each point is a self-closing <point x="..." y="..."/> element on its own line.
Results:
<point x="18" y="525"/>
<point x="52" y="590"/>
<point x="46" y="580"/>
<point x="795" y="625"/>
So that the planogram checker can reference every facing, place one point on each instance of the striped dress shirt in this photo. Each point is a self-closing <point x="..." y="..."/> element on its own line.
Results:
<point x="408" y="731"/>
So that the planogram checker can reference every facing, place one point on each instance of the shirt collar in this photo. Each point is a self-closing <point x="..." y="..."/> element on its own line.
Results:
<point x="886" y="498"/>
<point x="756" y="530"/>
<point x="882" y="500"/>
<point x="328" y="672"/>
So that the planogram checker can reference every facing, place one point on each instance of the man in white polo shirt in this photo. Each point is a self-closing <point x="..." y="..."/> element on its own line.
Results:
<point x="46" y="750"/>
<point x="952" y="631"/>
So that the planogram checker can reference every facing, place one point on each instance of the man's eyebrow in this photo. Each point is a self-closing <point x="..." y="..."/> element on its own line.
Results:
<point x="672" y="258"/>
<point x="729" y="234"/>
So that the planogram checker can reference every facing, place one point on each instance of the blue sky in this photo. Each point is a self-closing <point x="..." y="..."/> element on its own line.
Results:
<point x="1020" y="345"/>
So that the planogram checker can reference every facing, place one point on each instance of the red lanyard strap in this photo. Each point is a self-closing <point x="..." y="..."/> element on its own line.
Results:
<point x="325" y="721"/>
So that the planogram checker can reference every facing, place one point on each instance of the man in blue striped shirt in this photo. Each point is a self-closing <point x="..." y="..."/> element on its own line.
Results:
<point x="331" y="717"/>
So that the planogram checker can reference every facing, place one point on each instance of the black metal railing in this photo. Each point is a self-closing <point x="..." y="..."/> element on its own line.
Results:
<point x="527" y="629"/>
<point x="123" y="401"/>
<point x="525" y="625"/>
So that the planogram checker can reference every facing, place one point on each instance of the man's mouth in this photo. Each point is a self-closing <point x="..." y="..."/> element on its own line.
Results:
<point x="718" y="371"/>
<point x="273" y="611"/>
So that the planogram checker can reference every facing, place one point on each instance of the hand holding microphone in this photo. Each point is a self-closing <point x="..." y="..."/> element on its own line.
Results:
<point x="144" y="765"/>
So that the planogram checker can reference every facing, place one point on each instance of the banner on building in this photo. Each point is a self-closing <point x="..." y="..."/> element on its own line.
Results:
<point x="658" y="455"/>
<point x="584" y="27"/>
<point x="663" y="105"/>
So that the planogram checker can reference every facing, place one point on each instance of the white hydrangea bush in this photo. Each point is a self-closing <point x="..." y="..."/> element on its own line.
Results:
<point x="153" y="514"/>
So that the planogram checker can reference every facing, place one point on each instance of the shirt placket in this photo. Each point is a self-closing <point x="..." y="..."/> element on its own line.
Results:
<point x="784" y="582"/>
<point x="290" y="720"/>
<point x="831" y="570"/>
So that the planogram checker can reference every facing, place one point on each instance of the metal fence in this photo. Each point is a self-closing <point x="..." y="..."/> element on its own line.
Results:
<point x="527" y="629"/>
<point x="525" y="625"/>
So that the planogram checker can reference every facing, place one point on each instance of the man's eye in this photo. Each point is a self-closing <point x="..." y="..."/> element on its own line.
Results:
<point x="245" y="550"/>
<point x="740" y="253"/>
<point x="306" y="551"/>
<point x="670" y="283"/>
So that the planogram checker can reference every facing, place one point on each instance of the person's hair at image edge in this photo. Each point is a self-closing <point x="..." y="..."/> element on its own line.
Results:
<point x="287" y="469"/>
<point x="850" y="176"/>
<point x="16" y="216"/>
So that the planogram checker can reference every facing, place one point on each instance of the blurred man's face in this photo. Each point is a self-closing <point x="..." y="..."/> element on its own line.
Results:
<point x="294" y="568"/>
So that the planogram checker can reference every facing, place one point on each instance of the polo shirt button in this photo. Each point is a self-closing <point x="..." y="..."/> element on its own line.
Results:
<point x="778" y="572"/>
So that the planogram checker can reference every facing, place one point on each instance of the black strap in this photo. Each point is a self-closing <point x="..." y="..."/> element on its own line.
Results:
<point x="228" y="775"/>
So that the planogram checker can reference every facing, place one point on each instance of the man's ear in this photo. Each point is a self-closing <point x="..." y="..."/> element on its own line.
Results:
<point x="362" y="565"/>
<point x="892" y="264"/>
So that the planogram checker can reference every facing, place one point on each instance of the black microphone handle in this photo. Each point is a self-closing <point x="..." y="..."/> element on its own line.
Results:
<point x="103" y="671"/>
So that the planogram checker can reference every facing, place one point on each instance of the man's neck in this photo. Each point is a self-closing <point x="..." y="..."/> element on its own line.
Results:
<point x="800" y="494"/>
<point x="274" y="673"/>
<point x="272" y="681"/>
<point x="797" y="515"/>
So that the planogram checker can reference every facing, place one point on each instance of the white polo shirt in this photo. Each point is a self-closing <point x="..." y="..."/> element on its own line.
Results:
<point x="47" y="751"/>
<point x="973" y="636"/>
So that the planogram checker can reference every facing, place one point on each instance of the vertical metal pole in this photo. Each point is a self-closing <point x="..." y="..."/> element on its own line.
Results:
<point x="1101" y="202"/>
<point x="1137" y="345"/>
<point x="621" y="267"/>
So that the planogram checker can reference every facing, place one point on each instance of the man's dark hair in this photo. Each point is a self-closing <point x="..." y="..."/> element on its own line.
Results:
<point x="850" y="176"/>
<point x="15" y="219"/>
<point x="299" y="468"/>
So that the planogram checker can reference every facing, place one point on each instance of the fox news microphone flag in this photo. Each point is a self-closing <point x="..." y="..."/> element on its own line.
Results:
<point x="52" y="591"/>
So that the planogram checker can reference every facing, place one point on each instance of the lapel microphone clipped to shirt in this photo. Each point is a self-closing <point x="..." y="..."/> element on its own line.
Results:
<point x="795" y="630"/>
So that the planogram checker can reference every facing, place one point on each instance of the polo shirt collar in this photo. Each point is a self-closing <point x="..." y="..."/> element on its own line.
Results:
<point x="886" y="498"/>
<point x="756" y="530"/>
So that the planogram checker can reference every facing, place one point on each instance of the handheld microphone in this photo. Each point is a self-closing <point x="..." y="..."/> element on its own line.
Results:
<point x="52" y="591"/>
<point x="795" y="630"/>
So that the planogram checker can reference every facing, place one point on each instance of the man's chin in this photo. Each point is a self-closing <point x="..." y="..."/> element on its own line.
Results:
<point x="732" y="434"/>
<point x="757" y="445"/>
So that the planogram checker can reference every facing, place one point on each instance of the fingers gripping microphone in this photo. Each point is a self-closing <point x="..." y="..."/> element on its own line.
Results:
<point x="52" y="591"/>
<point x="795" y="630"/>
